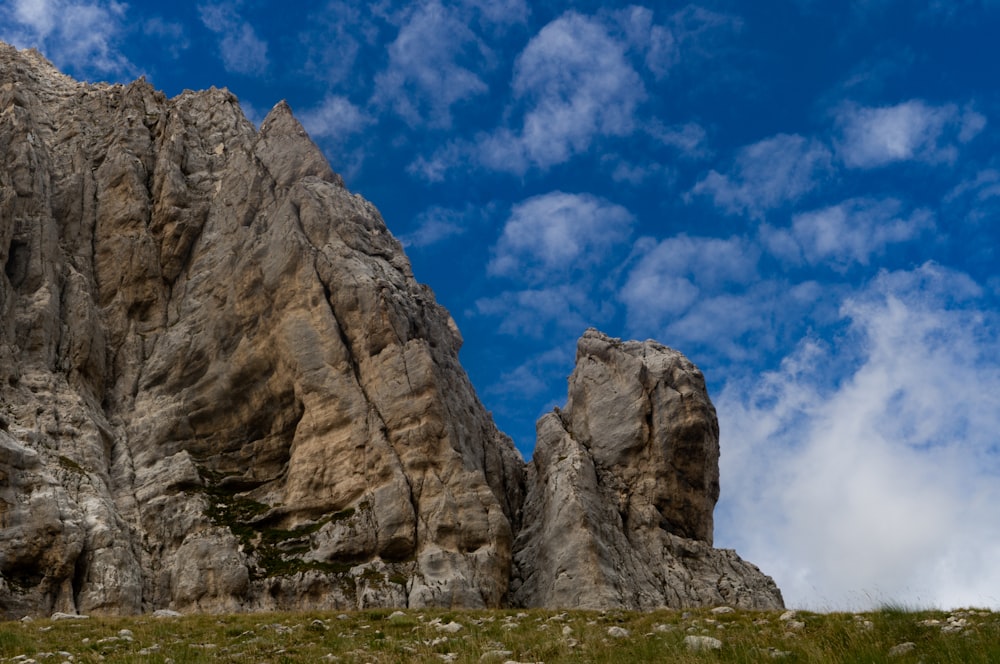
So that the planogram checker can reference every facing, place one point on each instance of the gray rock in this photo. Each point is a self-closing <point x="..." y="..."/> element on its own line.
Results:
<point x="700" y="643"/>
<point x="222" y="389"/>
<point x="622" y="487"/>
<point x="204" y="337"/>
<point x="903" y="648"/>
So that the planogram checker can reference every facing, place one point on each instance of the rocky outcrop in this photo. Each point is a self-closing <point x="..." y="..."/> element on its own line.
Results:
<point x="222" y="389"/>
<point x="622" y="488"/>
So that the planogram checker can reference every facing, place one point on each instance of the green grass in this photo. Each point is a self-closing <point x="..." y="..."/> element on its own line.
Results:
<point x="521" y="636"/>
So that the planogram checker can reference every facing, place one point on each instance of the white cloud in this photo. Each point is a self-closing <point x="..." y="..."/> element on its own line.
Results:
<point x="330" y="44"/>
<point x="426" y="75"/>
<point x="502" y="13"/>
<point x="172" y="35"/>
<point x="671" y="275"/>
<point x="242" y="51"/>
<point x="849" y="233"/>
<point x="335" y="118"/>
<point x="768" y="174"/>
<point x="438" y="224"/>
<point x="867" y="471"/>
<point x="578" y="84"/>
<point x="689" y="139"/>
<point x="555" y="234"/>
<point x="532" y="312"/>
<point x="655" y="43"/>
<point x="573" y="84"/>
<point x="911" y="131"/>
<point x="622" y="170"/>
<point x="537" y="374"/>
<point x="78" y="36"/>
<point x="986" y="185"/>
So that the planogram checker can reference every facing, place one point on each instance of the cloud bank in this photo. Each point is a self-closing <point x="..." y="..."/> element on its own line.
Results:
<point x="880" y="484"/>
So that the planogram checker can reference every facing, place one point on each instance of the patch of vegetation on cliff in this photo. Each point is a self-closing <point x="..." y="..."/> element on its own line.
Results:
<point x="275" y="550"/>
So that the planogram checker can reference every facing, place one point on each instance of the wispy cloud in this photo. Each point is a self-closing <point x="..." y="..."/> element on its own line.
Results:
<point x="911" y="131"/>
<point x="577" y="84"/>
<point x="655" y="43"/>
<point x="865" y="470"/>
<point x="172" y="35"/>
<point x="534" y="311"/>
<point x="846" y="234"/>
<point x="535" y="375"/>
<point x="689" y="139"/>
<point x="438" y="224"/>
<point x="768" y="174"/>
<point x="500" y="13"/>
<point x="427" y="72"/>
<point x="79" y="36"/>
<point x="552" y="235"/>
<point x="572" y="85"/>
<point x="335" y="118"/>
<point x="242" y="50"/>
<point x="671" y="275"/>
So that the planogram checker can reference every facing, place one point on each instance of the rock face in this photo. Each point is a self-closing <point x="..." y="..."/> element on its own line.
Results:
<point x="622" y="488"/>
<point x="222" y="389"/>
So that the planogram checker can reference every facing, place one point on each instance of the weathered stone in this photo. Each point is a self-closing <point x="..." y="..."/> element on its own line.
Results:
<point x="622" y="488"/>
<point x="222" y="389"/>
<point x="221" y="386"/>
<point x="700" y="643"/>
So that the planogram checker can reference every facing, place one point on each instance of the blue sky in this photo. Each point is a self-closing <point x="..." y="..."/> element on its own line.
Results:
<point x="801" y="195"/>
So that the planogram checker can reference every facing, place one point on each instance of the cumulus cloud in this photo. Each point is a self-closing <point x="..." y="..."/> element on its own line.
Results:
<point x="711" y="296"/>
<point x="242" y="50"/>
<point x="671" y="275"/>
<point x="578" y="84"/>
<point x="864" y="471"/>
<point x="335" y="118"/>
<point x="552" y="235"/>
<point x="77" y="35"/>
<point x="871" y="137"/>
<point x="426" y="75"/>
<point x="768" y="174"/>
<point x="573" y="84"/>
<point x="846" y="234"/>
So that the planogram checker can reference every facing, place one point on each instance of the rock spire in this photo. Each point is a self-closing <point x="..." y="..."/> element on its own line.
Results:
<point x="222" y="389"/>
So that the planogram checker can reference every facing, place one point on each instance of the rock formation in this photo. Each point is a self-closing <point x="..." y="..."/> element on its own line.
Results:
<point x="622" y="488"/>
<point x="221" y="388"/>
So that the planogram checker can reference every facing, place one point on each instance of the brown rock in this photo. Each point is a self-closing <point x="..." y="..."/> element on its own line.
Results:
<point x="252" y="399"/>
<point x="222" y="389"/>
<point x="622" y="487"/>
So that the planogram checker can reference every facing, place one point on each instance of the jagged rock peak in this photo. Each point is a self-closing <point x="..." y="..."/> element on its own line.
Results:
<point x="622" y="488"/>
<point x="221" y="387"/>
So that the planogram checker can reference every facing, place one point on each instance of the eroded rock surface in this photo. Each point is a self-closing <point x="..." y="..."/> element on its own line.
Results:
<point x="222" y="389"/>
<point x="622" y="488"/>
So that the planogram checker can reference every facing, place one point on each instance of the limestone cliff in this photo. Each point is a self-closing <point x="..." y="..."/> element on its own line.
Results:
<point x="623" y="485"/>
<point x="221" y="387"/>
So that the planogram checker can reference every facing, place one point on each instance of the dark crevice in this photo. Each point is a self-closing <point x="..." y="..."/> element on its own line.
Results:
<point x="16" y="268"/>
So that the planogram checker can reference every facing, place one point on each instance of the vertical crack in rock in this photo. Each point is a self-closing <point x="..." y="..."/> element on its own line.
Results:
<point x="222" y="389"/>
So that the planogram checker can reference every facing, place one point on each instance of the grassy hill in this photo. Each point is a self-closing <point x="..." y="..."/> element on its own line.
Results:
<point x="888" y="635"/>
